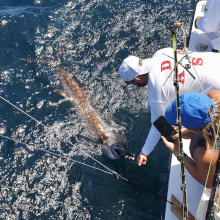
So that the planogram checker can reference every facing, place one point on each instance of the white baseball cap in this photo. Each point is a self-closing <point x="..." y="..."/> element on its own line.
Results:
<point x="133" y="67"/>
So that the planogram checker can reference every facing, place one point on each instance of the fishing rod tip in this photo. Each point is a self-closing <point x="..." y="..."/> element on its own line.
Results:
<point x="177" y="25"/>
<point x="185" y="50"/>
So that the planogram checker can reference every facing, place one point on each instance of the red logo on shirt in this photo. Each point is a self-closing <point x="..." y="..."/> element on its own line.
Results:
<point x="165" y="65"/>
<point x="179" y="52"/>
<point x="197" y="61"/>
<point x="181" y="77"/>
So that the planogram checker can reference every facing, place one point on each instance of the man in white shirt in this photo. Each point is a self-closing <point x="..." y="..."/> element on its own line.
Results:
<point x="158" y="74"/>
<point x="210" y="23"/>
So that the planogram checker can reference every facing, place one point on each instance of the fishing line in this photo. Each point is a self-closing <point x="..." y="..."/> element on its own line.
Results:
<point x="127" y="153"/>
<point x="217" y="202"/>
<point x="178" y="123"/>
<point x="54" y="132"/>
<point x="112" y="172"/>
<point x="211" y="200"/>
<point x="209" y="213"/>
<point x="153" y="194"/>
<point x="185" y="50"/>
<point x="179" y="62"/>
<point x="207" y="174"/>
<point x="58" y="155"/>
<point x="81" y="163"/>
<point x="55" y="154"/>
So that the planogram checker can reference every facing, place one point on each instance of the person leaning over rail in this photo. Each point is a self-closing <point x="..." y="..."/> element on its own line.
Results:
<point x="196" y="118"/>
<point x="157" y="72"/>
<point x="210" y="23"/>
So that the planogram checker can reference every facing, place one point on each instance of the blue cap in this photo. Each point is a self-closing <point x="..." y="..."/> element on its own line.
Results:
<point x="193" y="109"/>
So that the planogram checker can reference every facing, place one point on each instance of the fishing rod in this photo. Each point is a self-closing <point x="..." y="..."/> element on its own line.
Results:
<point x="210" y="211"/>
<point x="114" y="173"/>
<point x="178" y="123"/>
<point x="210" y="214"/>
<point x="66" y="141"/>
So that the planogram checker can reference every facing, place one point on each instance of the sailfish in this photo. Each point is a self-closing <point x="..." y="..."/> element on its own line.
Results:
<point x="113" y="142"/>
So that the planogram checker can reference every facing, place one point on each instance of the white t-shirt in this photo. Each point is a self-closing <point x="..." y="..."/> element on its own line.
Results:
<point x="210" y="23"/>
<point x="161" y="91"/>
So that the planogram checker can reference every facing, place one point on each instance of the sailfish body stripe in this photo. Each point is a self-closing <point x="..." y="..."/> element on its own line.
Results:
<point x="97" y="127"/>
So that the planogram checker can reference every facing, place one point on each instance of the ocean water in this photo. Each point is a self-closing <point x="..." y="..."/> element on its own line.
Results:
<point x="92" y="37"/>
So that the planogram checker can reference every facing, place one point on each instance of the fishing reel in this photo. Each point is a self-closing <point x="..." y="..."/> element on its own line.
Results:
<point x="179" y="26"/>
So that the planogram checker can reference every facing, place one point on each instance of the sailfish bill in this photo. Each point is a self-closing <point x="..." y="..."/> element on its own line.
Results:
<point x="113" y="142"/>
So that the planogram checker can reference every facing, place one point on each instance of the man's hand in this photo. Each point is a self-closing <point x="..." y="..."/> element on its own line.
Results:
<point x="142" y="159"/>
<point x="197" y="20"/>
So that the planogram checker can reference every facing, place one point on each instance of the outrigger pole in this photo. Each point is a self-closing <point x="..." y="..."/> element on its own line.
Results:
<point x="178" y="123"/>
<point x="210" y="212"/>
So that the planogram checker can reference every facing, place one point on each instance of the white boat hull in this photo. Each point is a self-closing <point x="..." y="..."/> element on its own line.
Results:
<point x="198" y="43"/>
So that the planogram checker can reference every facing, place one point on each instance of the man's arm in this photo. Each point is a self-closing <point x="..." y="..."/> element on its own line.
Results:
<point x="197" y="20"/>
<point x="210" y="22"/>
<point x="157" y="109"/>
<point x="150" y="143"/>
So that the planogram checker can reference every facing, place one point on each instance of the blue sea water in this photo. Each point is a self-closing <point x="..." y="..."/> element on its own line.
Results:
<point x="92" y="38"/>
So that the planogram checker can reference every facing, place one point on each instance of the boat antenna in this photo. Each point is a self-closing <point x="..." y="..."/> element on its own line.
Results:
<point x="178" y="122"/>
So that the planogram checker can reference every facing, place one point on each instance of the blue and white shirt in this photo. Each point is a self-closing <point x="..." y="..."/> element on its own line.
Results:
<point x="161" y="91"/>
<point x="210" y="23"/>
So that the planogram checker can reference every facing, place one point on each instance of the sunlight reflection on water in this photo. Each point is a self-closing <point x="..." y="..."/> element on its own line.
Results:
<point x="92" y="38"/>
